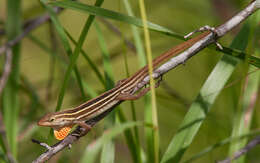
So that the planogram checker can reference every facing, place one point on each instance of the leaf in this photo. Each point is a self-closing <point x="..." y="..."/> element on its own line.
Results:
<point x="244" y="110"/>
<point x="220" y="144"/>
<point x="92" y="150"/>
<point x="109" y="147"/>
<point x="153" y="139"/>
<point x="67" y="48"/>
<point x="138" y="22"/>
<point x="113" y="15"/>
<point x="88" y="59"/>
<point x="203" y="102"/>
<point x="10" y="97"/>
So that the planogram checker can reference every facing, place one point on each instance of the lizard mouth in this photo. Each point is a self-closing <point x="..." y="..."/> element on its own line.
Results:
<point x="42" y="123"/>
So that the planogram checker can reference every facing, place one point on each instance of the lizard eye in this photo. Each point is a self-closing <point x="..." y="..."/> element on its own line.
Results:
<point x="51" y="119"/>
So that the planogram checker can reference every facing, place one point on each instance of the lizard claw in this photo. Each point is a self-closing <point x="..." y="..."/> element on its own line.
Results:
<point x="201" y="29"/>
<point x="205" y="28"/>
<point x="219" y="45"/>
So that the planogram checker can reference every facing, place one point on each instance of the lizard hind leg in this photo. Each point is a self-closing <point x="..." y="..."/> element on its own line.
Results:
<point x="140" y="94"/>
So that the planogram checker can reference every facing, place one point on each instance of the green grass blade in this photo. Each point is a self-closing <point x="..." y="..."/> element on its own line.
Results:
<point x="138" y="22"/>
<point x="108" y="152"/>
<point x="45" y="48"/>
<point x="3" y="156"/>
<point x="137" y="37"/>
<point x="27" y="86"/>
<point x="130" y="139"/>
<point x="244" y="112"/>
<point x="73" y="58"/>
<point x="147" y="99"/>
<point x="3" y="147"/>
<point x="220" y="144"/>
<point x="109" y="121"/>
<point x="109" y="147"/>
<point x="41" y="45"/>
<point x="109" y="77"/>
<point x="254" y="61"/>
<point x="91" y="152"/>
<point x="78" y="48"/>
<point x="113" y="15"/>
<point x="10" y="97"/>
<point x="88" y="59"/>
<point x="202" y="104"/>
<point x="67" y="47"/>
<point x="154" y="157"/>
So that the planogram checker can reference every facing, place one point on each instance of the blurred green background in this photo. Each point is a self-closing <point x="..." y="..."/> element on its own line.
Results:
<point x="41" y="76"/>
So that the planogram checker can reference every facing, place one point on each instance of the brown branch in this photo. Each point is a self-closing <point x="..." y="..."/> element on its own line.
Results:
<point x="243" y="151"/>
<point x="26" y="23"/>
<point x="6" y="70"/>
<point x="174" y="62"/>
<point x="28" y="27"/>
<point x="114" y="29"/>
<point x="247" y="118"/>
<point x="54" y="48"/>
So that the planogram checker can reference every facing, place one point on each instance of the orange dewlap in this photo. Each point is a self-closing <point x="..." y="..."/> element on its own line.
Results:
<point x="62" y="133"/>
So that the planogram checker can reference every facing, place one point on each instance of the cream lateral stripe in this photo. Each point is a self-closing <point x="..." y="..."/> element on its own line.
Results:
<point x="134" y="84"/>
<point x="97" y="108"/>
<point x="133" y="81"/>
<point x="86" y="108"/>
<point x="119" y="90"/>
<point x="94" y="110"/>
<point x="138" y="76"/>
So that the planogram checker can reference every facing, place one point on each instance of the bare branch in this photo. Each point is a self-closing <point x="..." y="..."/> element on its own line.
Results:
<point x="42" y="144"/>
<point x="252" y="143"/>
<point x="114" y="29"/>
<point x="28" y="27"/>
<point x="243" y="151"/>
<point x="174" y="62"/>
<point x="200" y="45"/>
<point x="7" y="69"/>
<point x="54" y="48"/>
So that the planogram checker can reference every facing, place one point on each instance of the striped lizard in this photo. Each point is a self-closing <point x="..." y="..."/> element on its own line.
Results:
<point x="63" y="121"/>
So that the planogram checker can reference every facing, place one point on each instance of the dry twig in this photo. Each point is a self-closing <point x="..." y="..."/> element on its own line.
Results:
<point x="28" y="27"/>
<point x="243" y="151"/>
<point x="9" y="155"/>
<point x="6" y="70"/>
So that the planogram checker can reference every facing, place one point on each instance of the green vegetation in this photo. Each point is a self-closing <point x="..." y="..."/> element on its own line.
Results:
<point x="205" y="109"/>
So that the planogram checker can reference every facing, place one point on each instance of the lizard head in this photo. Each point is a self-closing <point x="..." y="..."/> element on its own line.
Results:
<point x="61" y="126"/>
<point x="53" y="120"/>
